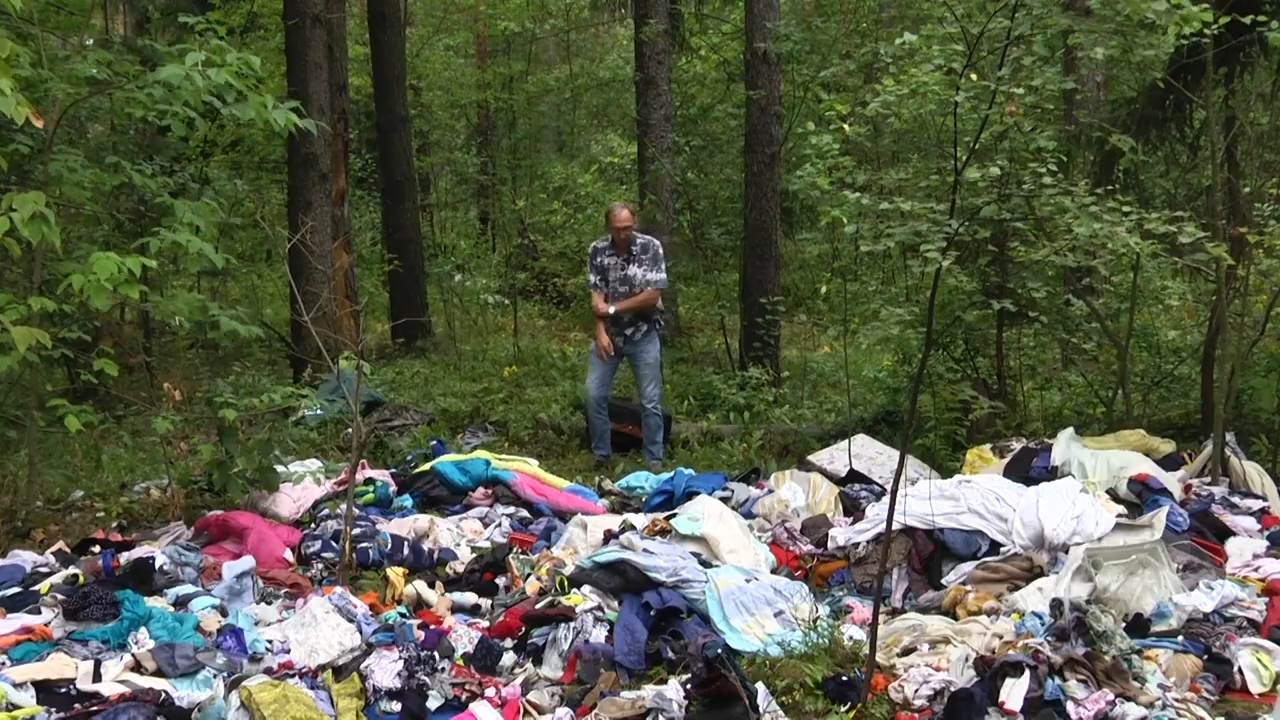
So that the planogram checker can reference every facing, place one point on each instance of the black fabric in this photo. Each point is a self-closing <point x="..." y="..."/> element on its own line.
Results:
<point x="485" y="657"/>
<point x="842" y="690"/>
<point x="140" y="576"/>
<point x="968" y="703"/>
<point x="19" y="601"/>
<point x="616" y="579"/>
<point x="92" y="603"/>
<point x="1138" y="627"/>
<point x="855" y="477"/>
<point x="95" y="546"/>
<point x="624" y="423"/>
<point x="428" y="491"/>
<point x="1207" y="525"/>
<point x="473" y="577"/>
<point x="1018" y="467"/>
<point x="1173" y="462"/>
<point x="816" y="529"/>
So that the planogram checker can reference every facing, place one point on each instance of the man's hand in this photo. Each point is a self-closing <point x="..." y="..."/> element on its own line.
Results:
<point x="599" y="307"/>
<point x="604" y="346"/>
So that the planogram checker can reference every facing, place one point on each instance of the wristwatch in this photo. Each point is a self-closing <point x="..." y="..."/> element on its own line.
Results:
<point x="612" y="309"/>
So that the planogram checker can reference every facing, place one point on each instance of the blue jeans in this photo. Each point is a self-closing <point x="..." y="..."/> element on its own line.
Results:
<point x="645" y="357"/>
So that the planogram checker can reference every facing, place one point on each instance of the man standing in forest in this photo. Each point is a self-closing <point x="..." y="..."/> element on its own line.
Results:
<point x="626" y="274"/>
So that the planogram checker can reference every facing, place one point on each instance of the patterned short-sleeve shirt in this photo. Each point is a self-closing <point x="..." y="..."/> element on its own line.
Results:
<point x="623" y="275"/>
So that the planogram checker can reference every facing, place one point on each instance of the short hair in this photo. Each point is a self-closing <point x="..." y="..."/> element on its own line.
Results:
<point x="617" y="207"/>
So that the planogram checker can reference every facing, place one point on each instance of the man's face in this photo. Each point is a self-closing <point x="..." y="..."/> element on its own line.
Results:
<point x="621" y="226"/>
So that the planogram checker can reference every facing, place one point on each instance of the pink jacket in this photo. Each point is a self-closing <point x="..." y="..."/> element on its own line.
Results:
<point x="532" y="490"/>
<point x="239" y="532"/>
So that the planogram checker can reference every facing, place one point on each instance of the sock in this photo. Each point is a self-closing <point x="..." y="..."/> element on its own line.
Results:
<point x="236" y="588"/>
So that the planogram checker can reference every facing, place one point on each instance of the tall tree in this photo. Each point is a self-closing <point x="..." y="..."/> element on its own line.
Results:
<point x="401" y="224"/>
<point x="655" y="145"/>
<point x="311" y="302"/>
<point x="486" y="183"/>
<point x="346" y="297"/>
<point x="760" y="276"/>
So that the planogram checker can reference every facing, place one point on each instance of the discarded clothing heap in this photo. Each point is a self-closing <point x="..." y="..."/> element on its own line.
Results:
<point x="1081" y="578"/>
<point x="476" y="592"/>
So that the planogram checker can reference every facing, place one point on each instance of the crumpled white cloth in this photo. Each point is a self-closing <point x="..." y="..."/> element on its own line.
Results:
<point x="1258" y="661"/>
<point x="1247" y="557"/>
<point x="1050" y="516"/>
<point x="1108" y="469"/>
<point x="317" y="635"/>
<point x="1211" y="595"/>
<point x="919" y="687"/>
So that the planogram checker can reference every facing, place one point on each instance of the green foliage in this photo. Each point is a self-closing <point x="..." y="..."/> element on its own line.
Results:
<point x="142" y="222"/>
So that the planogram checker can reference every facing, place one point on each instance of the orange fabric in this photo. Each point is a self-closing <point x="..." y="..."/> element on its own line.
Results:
<point x="35" y="633"/>
<point x="823" y="570"/>
<point x="374" y="602"/>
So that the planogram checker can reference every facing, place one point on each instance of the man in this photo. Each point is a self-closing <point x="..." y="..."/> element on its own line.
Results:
<point x="627" y="274"/>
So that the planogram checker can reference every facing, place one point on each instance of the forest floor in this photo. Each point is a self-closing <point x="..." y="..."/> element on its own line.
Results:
<point x="529" y="389"/>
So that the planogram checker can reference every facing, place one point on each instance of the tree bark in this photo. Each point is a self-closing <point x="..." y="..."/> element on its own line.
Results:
<point x="346" y="297"/>
<point x="655" y="142"/>
<point x="486" y="184"/>
<point x="401" y="222"/>
<point x="760" y="276"/>
<point x="311" y="302"/>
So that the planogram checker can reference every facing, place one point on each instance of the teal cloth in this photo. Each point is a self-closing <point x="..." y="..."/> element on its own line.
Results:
<point x="28" y="651"/>
<point x="252" y="640"/>
<point x="162" y="625"/>
<point x="466" y="475"/>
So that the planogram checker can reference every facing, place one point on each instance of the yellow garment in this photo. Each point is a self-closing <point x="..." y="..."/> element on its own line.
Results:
<point x="1136" y="440"/>
<point x="978" y="459"/>
<point x="21" y="713"/>
<point x="799" y="494"/>
<point x="528" y="466"/>
<point x="347" y="696"/>
<point x="1182" y="669"/>
<point x="396" y="577"/>
<point x="276" y="700"/>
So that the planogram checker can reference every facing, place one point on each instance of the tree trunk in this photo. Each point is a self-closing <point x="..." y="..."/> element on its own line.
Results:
<point x="346" y="297"/>
<point x="486" y="184"/>
<point x="760" y="275"/>
<point x="655" y="144"/>
<point x="311" y="304"/>
<point x="401" y="223"/>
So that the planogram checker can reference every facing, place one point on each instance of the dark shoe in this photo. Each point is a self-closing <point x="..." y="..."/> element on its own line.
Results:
<point x="655" y="467"/>
<point x="604" y="463"/>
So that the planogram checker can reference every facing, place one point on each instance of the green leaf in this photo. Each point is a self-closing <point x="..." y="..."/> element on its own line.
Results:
<point x="106" y="366"/>
<point x="24" y="336"/>
<point x="72" y="422"/>
<point x="104" y="267"/>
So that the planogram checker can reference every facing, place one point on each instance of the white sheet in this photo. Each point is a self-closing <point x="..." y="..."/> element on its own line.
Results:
<point x="1051" y="516"/>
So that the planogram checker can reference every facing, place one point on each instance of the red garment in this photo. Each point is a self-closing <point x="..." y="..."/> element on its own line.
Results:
<point x="239" y="532"/>
<point x="429" y="618"/>
<point x="1269" y="521"/>
<point x="1271" y="589"/>
<point x="787" y="559"/>
<point x="570" y="669"/>
<point x="1272" y="618"/>
<point x="511" y="624"/>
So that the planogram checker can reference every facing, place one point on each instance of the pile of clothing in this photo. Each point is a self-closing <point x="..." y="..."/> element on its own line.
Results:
<point x="480" y="586"/>
<point x="1083" y="578"/>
